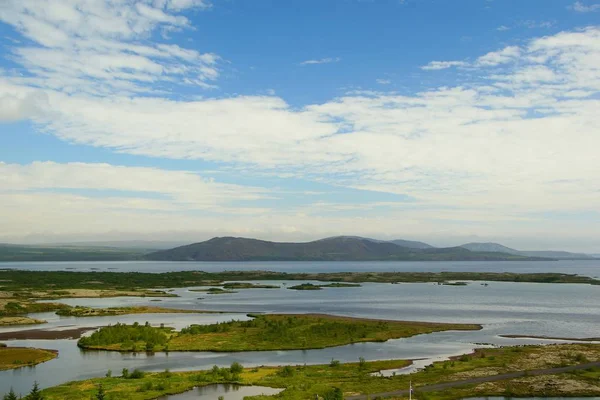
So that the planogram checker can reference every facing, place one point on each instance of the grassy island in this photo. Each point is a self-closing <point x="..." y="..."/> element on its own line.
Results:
<point x="534" y="366"/>
<point x="10" y="321"/>
<point x="263" y="332"/>
<point x="79" y="311"/>
<point x="247" y="285"/>
<point x="310" y="286"/>
<point x="17" y="357"/>
<point x="306" y="286"/>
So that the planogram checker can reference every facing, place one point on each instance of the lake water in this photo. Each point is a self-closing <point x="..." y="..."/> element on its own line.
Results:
<point x="582" y="267"/>
<point x="565" y="310"/>
<point x="227" y="391"/>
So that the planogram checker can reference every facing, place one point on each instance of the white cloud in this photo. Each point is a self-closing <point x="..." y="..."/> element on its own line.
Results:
<point x="383" y="81"/>
<point x="582" y="8"/>
<point x="78" y="44"/>
<point x="522" y="135"/>
<point x="437" y="65"/>
<point x="495" y="58"/>
<point x="503" y="28"/>
<point x="327" y="60"/>
<point x="176" y="190"/>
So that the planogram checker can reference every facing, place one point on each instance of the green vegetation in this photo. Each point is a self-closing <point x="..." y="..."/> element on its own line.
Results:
<point x="340" y="285"/>
<point x="305" y="286"/>
<point x="79" y="311"/>
<point x="247" y="285"/>
<point x="134" y="337"/>
<point x="10" y="321"/>
<point x="17" y="357"/>
<point x="334" y="379"/>
<point x="214" y="291"/>
<point x="14" y="308"/>
<point x="67" y="253"/>
<point x="34" y="284"/>
<point x="310" y="286"/>
<point x="263" y="332"/>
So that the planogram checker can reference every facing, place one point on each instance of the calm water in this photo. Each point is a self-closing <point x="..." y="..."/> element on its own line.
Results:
<point x="503" y="308"/>
<point x="228" y="391"/>
<point x="584" y="267"/>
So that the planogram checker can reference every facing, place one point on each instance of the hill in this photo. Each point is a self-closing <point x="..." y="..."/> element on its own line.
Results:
<point x="411" y="244"/>
<point x="13" y="252"/>
<point x="495" y="247"/>
<point x="342" y="248"/>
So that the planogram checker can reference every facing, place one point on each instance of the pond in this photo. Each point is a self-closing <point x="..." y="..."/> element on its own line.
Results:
<point x="227" y="391"/>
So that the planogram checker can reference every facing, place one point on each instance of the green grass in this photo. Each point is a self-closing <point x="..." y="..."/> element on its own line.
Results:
<point x="265" y="332"/>
<point x="304" y="382"/>
<point x="17" y="357"/>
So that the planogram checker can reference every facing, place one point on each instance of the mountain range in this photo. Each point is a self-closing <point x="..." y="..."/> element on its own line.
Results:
<point x="340" y="248"/>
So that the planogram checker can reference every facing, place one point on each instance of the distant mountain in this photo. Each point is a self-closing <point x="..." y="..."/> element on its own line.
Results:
<point x="341" y="248"/>
<point x="559" y="255"/>
<point x="411" y="244"/>
<point x="495" y="247"/>
<point x="15" y="252"/>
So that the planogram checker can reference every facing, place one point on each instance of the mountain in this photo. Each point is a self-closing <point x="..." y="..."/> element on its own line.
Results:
<point x="411" y="244"/>
<point x="495" y="247"/>
<point x="492" y="247"/>
<point x="559" y="255"/>
<point x="341" y="248"/>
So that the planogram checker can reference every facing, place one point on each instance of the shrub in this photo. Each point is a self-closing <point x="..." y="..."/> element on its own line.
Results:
<point x="236" y="368"/>
<point x="334" y="363"/>
<point x="136" y="374"/>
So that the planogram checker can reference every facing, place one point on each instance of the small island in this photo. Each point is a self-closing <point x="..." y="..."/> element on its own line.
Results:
<point x="263" y="332"/>
<point x="79" y="311"/>
<point x="247" y="285"/>
<point x="214" y="290"/>
<point x="17" y="357"/>
<point x="305" y="286"/>
<point x="310" y="286"/>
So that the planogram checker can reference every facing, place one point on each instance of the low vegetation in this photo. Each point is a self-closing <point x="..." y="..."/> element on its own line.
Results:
<point x="263" y="332"/>
<point x="10" y="321"/>
<point x="336" y="379"/>
<point x="79" y="311"/>
<point x="310" y="286"/>
<point x="247" y="285"/>
<point x="34" y="284"/>
<point x="17" y="357"/>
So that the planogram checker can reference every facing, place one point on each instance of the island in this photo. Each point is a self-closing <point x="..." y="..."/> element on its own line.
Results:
<point x="262" y="332"/>
<point x="17" y="357"/>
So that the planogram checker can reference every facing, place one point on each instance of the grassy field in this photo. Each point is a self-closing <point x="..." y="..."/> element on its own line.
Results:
<point x="17" y="357"/>
<point x="79" y="311"/>
<point x="304" y="382"/>
<point x="266" y="332"/>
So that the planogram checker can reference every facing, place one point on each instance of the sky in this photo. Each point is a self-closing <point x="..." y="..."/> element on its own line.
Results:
<point x="180" y="120"/>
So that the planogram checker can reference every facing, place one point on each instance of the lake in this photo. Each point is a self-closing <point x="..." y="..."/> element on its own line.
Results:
<point x="562" y="310"/>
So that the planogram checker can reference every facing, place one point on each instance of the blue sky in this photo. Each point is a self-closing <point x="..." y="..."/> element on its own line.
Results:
<point x="185" y="119"/>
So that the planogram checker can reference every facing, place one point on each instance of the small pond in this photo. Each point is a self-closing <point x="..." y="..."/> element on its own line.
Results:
<point x="228" y="391"/>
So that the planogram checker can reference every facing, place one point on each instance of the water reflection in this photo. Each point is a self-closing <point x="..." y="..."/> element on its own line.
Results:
<point x="227" y="391"/>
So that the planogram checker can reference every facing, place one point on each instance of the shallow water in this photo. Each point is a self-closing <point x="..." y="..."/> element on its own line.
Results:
<point x="582" y="267"/>
<point x="228" y="391"/>
<point x="565" y="310"/>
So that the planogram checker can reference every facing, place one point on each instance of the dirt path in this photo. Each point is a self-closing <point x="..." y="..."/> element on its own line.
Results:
<point x="483" y="379"/>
